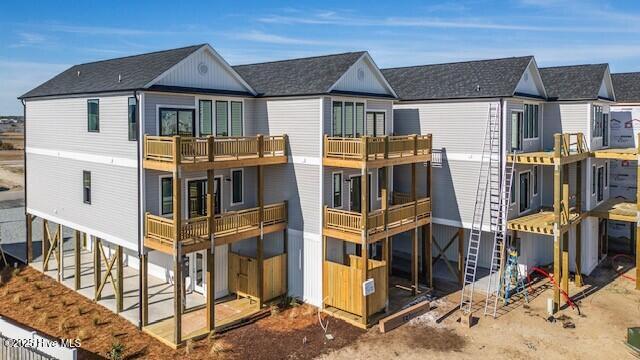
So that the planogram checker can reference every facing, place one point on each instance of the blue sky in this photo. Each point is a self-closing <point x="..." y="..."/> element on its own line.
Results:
<point x="41" y="38"/>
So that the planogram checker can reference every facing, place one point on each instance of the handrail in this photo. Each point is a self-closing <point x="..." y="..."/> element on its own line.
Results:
<point x="376" y="147"/>
<point x="567" y="144"/>
<point x="184" y="149"/>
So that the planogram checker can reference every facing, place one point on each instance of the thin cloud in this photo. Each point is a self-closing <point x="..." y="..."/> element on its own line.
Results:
<point x="259" y="36"/>
<point x="101" y="30"/>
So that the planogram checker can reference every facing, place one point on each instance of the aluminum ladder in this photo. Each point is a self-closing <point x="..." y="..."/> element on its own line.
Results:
<point x="513" y="280"/>
<point x="499" y="228"/>
<point x="489" y="174"/>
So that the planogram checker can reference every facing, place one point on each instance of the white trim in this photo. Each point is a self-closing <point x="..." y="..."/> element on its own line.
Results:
<point x="531" y="139"/>
<point x="598" y="202"/>
<point x="528" y="172"/>
<point x="214" y="123"/>
<point x="185" y="193"/>
<point x="231" y="171"/>
<point x="221" y="177"/>
<point x="457" y="223"/>
<point x="333" y="205"/>
<point x="160" y="177"/>
<point x="92" y="232"/>
<point x="178" y="107"/>
<point x="305" y="234"/>
<point x="225" y="65"/>
<point x="355" y="101"/>
<point x="91" y="158"/>
<point x="320" y="175"/>
<point x="376" y="72"/>
<point x="304" y="160"/>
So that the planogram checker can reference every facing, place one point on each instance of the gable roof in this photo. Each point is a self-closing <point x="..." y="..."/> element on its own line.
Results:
<point x="627" y="87"/>
<point x="574" y="82"/>
<point x="460" y="80"/>
<point x="125" y="73"/>
<point x="304" y="76"/>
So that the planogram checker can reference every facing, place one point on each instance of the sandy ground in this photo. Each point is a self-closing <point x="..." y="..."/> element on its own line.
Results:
<point x="521" y="331"/>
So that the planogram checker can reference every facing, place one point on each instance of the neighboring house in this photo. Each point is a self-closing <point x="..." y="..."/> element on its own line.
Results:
<point x="157" y="157"/>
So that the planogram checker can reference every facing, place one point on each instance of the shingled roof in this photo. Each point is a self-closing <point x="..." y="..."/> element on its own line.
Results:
<point x="469" y="79"/>
<point x="574" y="82"/>
<point x="125" y="73"/>
<point x="627" y="87"/>
<point x="304" y="76"/>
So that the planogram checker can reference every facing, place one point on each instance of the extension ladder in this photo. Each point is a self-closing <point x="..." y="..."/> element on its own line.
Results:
<point x="489" y="176"/>
<point x="499" y="229"/>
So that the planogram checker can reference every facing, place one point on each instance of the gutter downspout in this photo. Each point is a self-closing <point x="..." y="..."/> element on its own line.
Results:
<point x="140" y="248"/>
<point x="24" y="159"/>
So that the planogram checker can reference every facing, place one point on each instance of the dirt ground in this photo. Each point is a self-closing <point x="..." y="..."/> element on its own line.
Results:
<point x="38" y="301"/>
<point x="11" y="163"/>
<point x="609" y="304"/>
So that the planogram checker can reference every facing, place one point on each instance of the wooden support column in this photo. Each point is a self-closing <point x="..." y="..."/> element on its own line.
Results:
<point x="638" y="213"/>
<point x="461" y="256"/>
<point x="144" y="272"/>
<point x="414" y="232"/>
<point x="285" y="245"/>
<point x="29" y="222"/>
<point x="59" y="241"/>
<point x="177" y="259"/>
<point x="364" y="195"/>
<point x="120" y="280"/>
<point x="578" y="254"/>
<point x="45" y="244"/>
<point x="384" y="189"/>
<point x="260" y="239"/>
<point x="210" y="276"/>
<point x="427" y="255"/>
<point x="565" y="235"/>
<point x="77" y="276"/>
<point x="557" y="196"/>
<point x="325" y="287"/>
<point x="97" y="268"/>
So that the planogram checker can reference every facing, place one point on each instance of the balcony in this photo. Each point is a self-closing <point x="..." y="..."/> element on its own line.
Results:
<point x="568" y="148"/>
<point x="348" y="225"/>
<point x="376" y="151"/>
<point x="160" y="232"/>
<point x="166" y="153"/>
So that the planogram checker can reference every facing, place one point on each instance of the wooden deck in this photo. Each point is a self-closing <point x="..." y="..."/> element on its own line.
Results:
<point x="376" y="151"/>
<point x="540" y="222"/>
<point x="616" y="209"/>
<point x="616" y="154"/>
<point x="194" y="323"/>
<point x="568" y="148"/>
<point x="167" y="153"/>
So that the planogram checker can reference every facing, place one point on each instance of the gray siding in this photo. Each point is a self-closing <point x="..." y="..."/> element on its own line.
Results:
<point x="535" y="200"/>
<point x="528" y="145"/>
<point x="151" y="102"/>
<point x="370" y="105"/>
<point x="61" y="125"/>
<point x="562" y="117"/>
<point x="55" y="188"/>
<point x="376" y="203"/>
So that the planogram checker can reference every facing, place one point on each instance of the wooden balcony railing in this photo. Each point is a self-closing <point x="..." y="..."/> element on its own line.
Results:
<point x="570" y="144"/>
<point x="376" y="147"/>
<point x="162" y="230"/>
<point x="185" y="150"/>
<point x="396" y="215"/>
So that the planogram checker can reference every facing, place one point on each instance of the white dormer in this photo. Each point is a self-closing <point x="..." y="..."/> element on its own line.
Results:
<point x="363" y="77"/>
<point x="606" y="88"/>
<point x="531" y="83"/>
<point x="204" y="69"/>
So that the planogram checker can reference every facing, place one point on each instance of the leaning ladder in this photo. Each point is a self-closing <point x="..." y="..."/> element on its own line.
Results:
<point x="499" y="229"/>
<point x="490" y="154"/>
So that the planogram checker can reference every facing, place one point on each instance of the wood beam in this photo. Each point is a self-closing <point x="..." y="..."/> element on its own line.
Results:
<point x="97" y="268"/>
<point x="461" y="256"/>
<point x="578" y="255"/>
<point x="565" y="262"/>
<point x="364" y="194"/>
<point x="638" y="214"/>
<point x="120" y="288"/>
<point x="427" y="255"/>
<point x="210" y="253"/>
<point x="78" y="275"/>
<point x="260" y="239"/>
<point x="177" y="296"/>
<point x="414" y="233"/>
<point x="144" y="273"/>
<point x="59" y="241"/>
<point x="29" y="222"/>
<point x="45" y="245"/>
<point x="557" y="203"/>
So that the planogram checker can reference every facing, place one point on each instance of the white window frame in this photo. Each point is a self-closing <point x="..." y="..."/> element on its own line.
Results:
<point x="606" y="174"/>
<point x="378" y="187"/>
<point x="521" y="135"/>
<point x="354" y="101"/>
<point x="537" y="131"/>
<point x="598" y="184"/>
<point x="185" y="194"/>
<point x="213" y="100"/>
<point x="176" y="106"/>
<point x="530" y="192"/>
<point x="160" y="196"/>
<point x="242" y="186"/>
<point x="594" y="178"/>
<point x="534" y="176"/>
<point x="593" y="119"/>
<point x="341" y="189"/>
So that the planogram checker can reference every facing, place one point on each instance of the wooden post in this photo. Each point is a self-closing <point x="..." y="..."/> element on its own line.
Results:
<point x="260" y="239"/>
<point x="29" y="221"/>
<point x="97" y="267"/>
<point x="578" y="254"/>
<point x="461" y="256"/>
<point x="638" y="213"/>
<point x="77" y="276"/>
<point x="364" y="194"/>
<point x="45" y="244"/>
<point x="565" y="236"/>
<point x="59" y="242"/>
<point x="120" y="287"/>
<point x="285" y="245"/>
<point x="557" y="196"/>
<point x="426" y="255"/>
<point x="210" y="277"/>
<point x="414" y="231"/>
<point x="177" y="296"/>
<point x="144" y="272"/>
<point x="325" y="291"/>
<point x="384" y="206"/>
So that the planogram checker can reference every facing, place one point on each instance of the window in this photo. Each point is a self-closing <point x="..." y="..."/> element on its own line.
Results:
<point x="86" y="187"/>
<point x="530" y="128"/>
<point x="222" y="118"/>
<point x="606" y="174"/>
<point x="600" y="183"/>
<point x="359" y="119"/>
<point x="535" y="180"/>
<point x="206" y="117"/>
<point x="337" y="190"/>
<point x="525" y="192"/>
<point x="593" y="180"/>
<point x="236" y="118"/>
<point x="93" y="115"/>
<point x="133" y="119"/>
<point x="598" y="122"/>
<point x="512" y="199"/>
<point x="337" y="119"/>
<point x="605" y="129"/>
<point x="375" y="123"/>
<point x="177" y="122"/>
<point x="381" y="181"/>
<point x="166" y="196"/>
<point x="237" y="188"/>
<point x="348" y="119"/>
<point x="197" y="198"/>
<point x="516" y="130"/>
